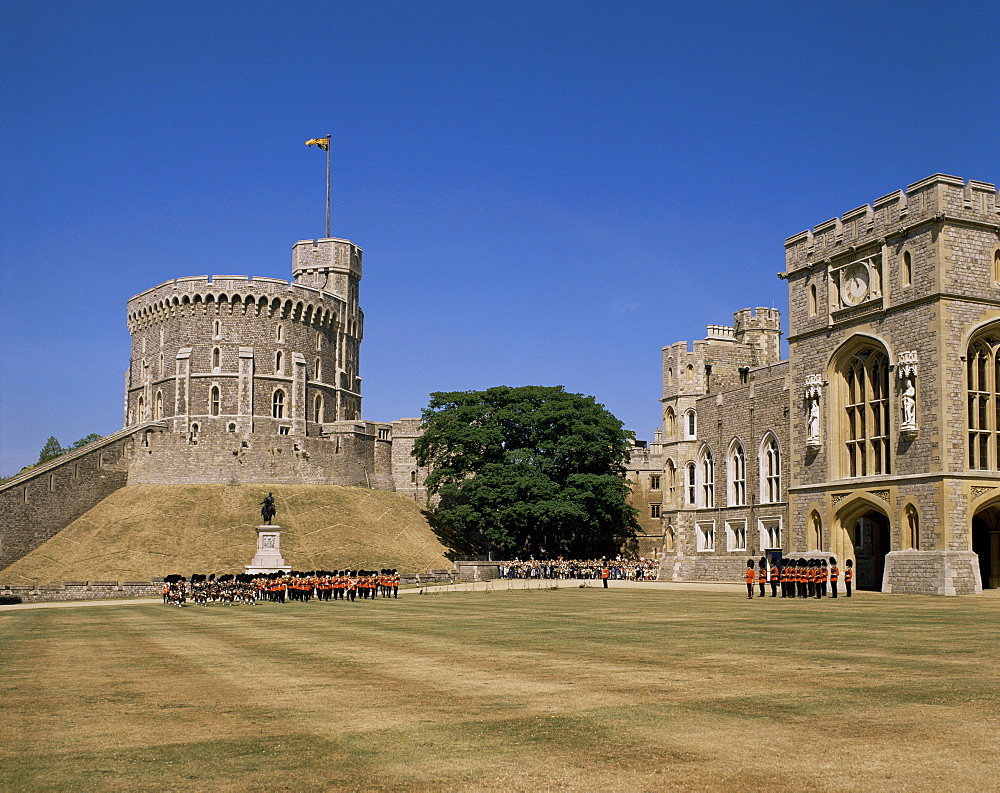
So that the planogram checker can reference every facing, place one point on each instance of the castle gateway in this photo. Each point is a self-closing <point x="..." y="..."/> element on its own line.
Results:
<point x="878" y="438"/>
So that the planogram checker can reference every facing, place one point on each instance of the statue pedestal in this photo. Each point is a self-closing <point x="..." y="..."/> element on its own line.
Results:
<point x="268" y="557"/>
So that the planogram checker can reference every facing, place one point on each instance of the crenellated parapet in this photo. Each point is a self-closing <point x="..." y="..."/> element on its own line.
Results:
<point x="934" y="199"/>
<point x="239" y="295"/>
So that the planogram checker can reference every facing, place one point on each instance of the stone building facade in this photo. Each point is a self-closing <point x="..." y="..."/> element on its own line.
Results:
<point x="878" y="439"/>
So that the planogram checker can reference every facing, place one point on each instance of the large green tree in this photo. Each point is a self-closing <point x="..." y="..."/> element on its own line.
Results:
<point x="530" y="470"/>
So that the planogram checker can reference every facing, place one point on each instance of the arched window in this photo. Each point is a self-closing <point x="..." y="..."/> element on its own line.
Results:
<point x="670" y="376"/>
<point x="737" y="470"/>
<point x="671" y="470"/>
<point x="319" y="340"/>
<point x="996" y="265"/>
<point x="142" y="409"/>
<point x="912" y="538"/>
<point x="413" y="477"/>
<point x="195" y="430"/>
<point x="866" y="412"/>
<point x="690" y="425"/>
<point x="669" y="423"/>
<point x="982" y="364"/>
<point x="689" y="374"/>
<point x="214" y="401"/>
<point x="907" y="273"/>
<point x="770" y="470"/>
<point x="812" y="300"/>
<point x="707" y="466"/>
<point x="216" y="359"/>
<point x="692" y="484"/>
<point x="318" y="375"/>
<point x="279" y="333"/>
<point x="278" y="404"/>
<point x="216" y="329"/>
<point x="158" y="406"/>
<point x="815" y="530"/>
<point x="318" y="409"/>
<point x="161" y="365"/>
<point x="278" y="360"/>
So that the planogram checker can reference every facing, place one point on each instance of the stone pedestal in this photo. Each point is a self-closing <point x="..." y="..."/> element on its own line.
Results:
<point x="932" y="573"/>
<point x="268" y="557"/>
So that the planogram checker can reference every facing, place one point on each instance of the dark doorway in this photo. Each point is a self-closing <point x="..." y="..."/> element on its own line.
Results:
<point x="871" y="544"/>
<point x="986" y="544"/>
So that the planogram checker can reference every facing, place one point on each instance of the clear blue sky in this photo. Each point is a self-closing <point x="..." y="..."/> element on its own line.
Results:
<point x="545" y="192"/>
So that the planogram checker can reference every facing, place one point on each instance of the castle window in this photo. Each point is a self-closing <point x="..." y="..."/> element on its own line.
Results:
<point x="671" y="481"/>
<point x="770" y="471"/>
<point x="318" y="409"/>
<point x="195" y="429"/>
<point x="737" y="476"/>
<point x="654" y="510"/>
<point x="996" y="265"/>
<point x="142" y="409"/>
<point x="231" y="427"/>
<point x="669" y="422"/>
<point x="24" y="495"/>
<point x="705" y="533"/>
<point x="866" y="412"/>
<point x="278" y="362"/>
<point x="816" y="530"/>
<point x="216" y="359"/>
<point x="690" y="425"/>
<point x="278" y="404"/>
<point x="907" y="269"/>
<point x="279" y="333"/>
<point x="215" y="401"/>
<point x="812" y="300"/>
<point x="689" y="374"/>
<point x="161" y="365"/>
<point x="736" y="535"/>
<point x="383" y="434"/>
<point x="318" y="375"/>
<point x="413" y="477"/>
<point x="654" y="482"/>
<point x="319" y="340"/>
<point x="983" y="397"/>
<point x="770" y="534"/>
<point x="216" y="329"/>
<point x="52" y="482"/>
<point x="707" y="465"/>
<point x="692" y="483"/>
<point x="158" y="406"/>
<point x="284" y="430"/>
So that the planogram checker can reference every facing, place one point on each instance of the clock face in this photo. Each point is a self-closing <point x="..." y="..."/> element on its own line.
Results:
<point x="855" y="286"/>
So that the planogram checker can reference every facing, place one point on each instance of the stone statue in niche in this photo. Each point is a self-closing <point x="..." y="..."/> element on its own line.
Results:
<point x="814" y="388"/>
<point x="907" y="368"/>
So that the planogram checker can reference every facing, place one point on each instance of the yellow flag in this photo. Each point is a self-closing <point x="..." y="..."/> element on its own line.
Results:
<point x="323" y="143"/>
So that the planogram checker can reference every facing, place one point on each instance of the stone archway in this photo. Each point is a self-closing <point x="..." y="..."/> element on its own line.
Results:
<point x="865" y="537"/>
<point x="986" y="544"/>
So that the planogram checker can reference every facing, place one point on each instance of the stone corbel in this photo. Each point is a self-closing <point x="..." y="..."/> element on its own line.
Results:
<point x="814" y="390"/>
<point x="906" y="370"/>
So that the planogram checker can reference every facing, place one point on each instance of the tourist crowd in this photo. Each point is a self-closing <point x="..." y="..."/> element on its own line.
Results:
<point x="618" y="569"/>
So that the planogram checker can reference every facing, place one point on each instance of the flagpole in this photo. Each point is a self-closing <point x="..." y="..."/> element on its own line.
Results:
<point x="330" y="139"/>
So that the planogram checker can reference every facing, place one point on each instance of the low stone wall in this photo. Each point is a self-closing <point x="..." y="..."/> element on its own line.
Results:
<point x="932" y="573"/>
<point x="79" y="590"/>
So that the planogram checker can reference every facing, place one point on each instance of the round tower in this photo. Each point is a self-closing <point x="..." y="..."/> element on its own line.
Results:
<point x="239" y="355"/>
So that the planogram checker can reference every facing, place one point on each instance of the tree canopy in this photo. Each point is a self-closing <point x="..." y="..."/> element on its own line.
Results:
<point x="530" y="471"/>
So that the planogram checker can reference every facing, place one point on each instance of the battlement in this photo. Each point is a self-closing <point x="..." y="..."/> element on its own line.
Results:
<point x="720" y="333"/>
<point x="759" y="318"/>
<point x="273" y="294"/>
<point x="938" y="197"/>
<point x="330" y="254"/>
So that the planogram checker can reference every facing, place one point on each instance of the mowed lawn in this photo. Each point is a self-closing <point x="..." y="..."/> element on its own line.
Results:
<point x="568" y="689"/>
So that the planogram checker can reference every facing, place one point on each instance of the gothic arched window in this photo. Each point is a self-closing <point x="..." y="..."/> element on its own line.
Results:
<point x="706" y="465"/>
<point x="215" y="401"/>
<point x="737" y="475"/>
<point x="982" y="367"/>
<point x="770" y="470"/>
<point x="866" y="412"/>
<point x="278" y="404"/>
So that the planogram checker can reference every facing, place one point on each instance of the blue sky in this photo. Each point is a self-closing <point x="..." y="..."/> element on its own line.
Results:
<point x="545" y="192"/>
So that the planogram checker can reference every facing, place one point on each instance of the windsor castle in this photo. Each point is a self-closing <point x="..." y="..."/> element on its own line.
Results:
<point x="877" y="439"/>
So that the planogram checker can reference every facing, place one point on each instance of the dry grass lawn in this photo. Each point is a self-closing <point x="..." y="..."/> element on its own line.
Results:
<point x="568" y="689"/>
<point x="144" y="531"/>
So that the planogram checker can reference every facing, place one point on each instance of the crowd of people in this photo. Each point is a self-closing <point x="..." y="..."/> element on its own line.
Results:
<point x="640" y="569"/>
<point x="246" y="588"/>
<point x="798" y="578"/>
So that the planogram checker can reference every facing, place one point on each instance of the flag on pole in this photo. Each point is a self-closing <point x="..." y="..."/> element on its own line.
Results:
<point x="323" y="143"/>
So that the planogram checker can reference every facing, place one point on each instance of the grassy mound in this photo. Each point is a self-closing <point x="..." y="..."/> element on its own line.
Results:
<point x="144" y="531"/>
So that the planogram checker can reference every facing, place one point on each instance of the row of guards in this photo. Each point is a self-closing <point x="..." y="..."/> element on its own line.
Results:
<point x="798" y="578"/>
